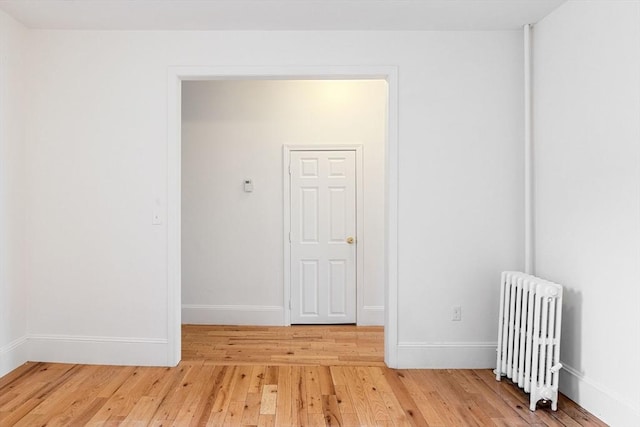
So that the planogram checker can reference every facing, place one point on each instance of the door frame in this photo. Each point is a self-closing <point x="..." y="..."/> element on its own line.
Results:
<point x="286" y="220"/>
<point x="175" y="76"/>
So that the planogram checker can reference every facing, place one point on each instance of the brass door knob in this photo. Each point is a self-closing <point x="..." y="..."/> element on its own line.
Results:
<point x="350" y="240"/>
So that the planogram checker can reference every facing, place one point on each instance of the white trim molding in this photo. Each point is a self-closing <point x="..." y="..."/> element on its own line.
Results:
<point x="100" y="350"/>
<point x="605" y="404"/>
<point x="447" y="355"/>
<point x="259" y="315"/>
<point x="13" y="355"/>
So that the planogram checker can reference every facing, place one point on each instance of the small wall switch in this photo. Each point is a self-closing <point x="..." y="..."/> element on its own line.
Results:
<point x="457" y="313"/>
<point x="248" y="185"/>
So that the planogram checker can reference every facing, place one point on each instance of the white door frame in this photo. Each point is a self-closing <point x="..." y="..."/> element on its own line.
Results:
<point x="286" y="209"/>
<point x="174" y="145"/>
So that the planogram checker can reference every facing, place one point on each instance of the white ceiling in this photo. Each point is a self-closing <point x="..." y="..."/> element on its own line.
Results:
<point x="278" y="14"/>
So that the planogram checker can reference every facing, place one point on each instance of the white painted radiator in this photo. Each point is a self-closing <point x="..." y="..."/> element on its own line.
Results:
<point x="529" y="335"/>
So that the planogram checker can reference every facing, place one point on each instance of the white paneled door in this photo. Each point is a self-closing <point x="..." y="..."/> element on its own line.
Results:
<point x="323" y="239"/>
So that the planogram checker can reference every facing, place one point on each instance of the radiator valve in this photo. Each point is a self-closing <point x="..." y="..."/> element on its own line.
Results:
<point x="556" y="368"/>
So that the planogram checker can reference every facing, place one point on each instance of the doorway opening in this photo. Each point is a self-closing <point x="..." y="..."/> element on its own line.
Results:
<point x="248" y="186"/>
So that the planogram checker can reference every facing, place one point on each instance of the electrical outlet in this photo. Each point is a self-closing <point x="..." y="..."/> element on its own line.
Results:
<point x="457" y="313"/>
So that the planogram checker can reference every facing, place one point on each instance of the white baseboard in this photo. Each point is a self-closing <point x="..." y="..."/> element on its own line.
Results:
<point x="610" y="407"/>
<point x="455" y="355"/>
<point x="255" y="315"/>
<point x="98" y="350"/>
<point x="371" y="315"/>
<point x="13" y="355"/>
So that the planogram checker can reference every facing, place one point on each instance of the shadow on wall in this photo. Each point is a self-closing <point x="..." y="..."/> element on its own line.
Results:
<point x="571" y="340"/>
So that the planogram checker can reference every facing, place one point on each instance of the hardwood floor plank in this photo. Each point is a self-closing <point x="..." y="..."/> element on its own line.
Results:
<point x="314" y="394"/>
<point x="143" y="409"/>
<point x="316" y="420"/>
<point x="397" y="415"/>
<point x="271" y="375"/>
<point x="219" y="400"/>
<point x="419" y="388"/>
<point x="344" y="400"/>
<point x="82" y="418"/>
<point x="251" y="411"/>
<point x="269" y="399"/>
<point x="183" y="378"/>
<point x="488" y="401"/>
<point x="258" y="374"/>
<point x="193" y="402"/>
<point x="267" y="420"/>
<point x="359" y="398"/>
<point x="73" y="402"/>
<point x="409" y="407"/>
<point x="39" y="396"/>
<point x="326" y="381"/>
<point x="337" y="376"/>
<point x="299" y="396"/>
<point x="376" y="402"/>
<point x="234" y="414"/>
<point x="331" y="411"/>
<point x="31" y="385"/>
<point x="242" y="383"/>
<point x="284" y="414"/>
<point x="18" y="374"/>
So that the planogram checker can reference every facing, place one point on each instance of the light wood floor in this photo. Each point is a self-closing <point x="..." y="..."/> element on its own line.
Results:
<point x="295" y="345"/>
<point x="298" y="376"/>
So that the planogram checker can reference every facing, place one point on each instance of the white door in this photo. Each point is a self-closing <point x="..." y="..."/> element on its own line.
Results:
<point x="323" y="239"/>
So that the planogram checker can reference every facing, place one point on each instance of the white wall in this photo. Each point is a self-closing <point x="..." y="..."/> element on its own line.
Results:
<point x="461" y="195"/>
<point x="587" y="191"/>
<point x="13" y="303"/>
<point x="97" y="168"/>
<point x="232" y="247"/>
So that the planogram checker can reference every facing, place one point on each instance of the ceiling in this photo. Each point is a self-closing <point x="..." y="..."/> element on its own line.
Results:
<point x="278" y="14"/>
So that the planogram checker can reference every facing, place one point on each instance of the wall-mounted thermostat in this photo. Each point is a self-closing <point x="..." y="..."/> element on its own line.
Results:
<point x="248" y="186"/>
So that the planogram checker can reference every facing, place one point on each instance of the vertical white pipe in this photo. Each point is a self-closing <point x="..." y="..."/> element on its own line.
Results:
<point x="528" y="157"/>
